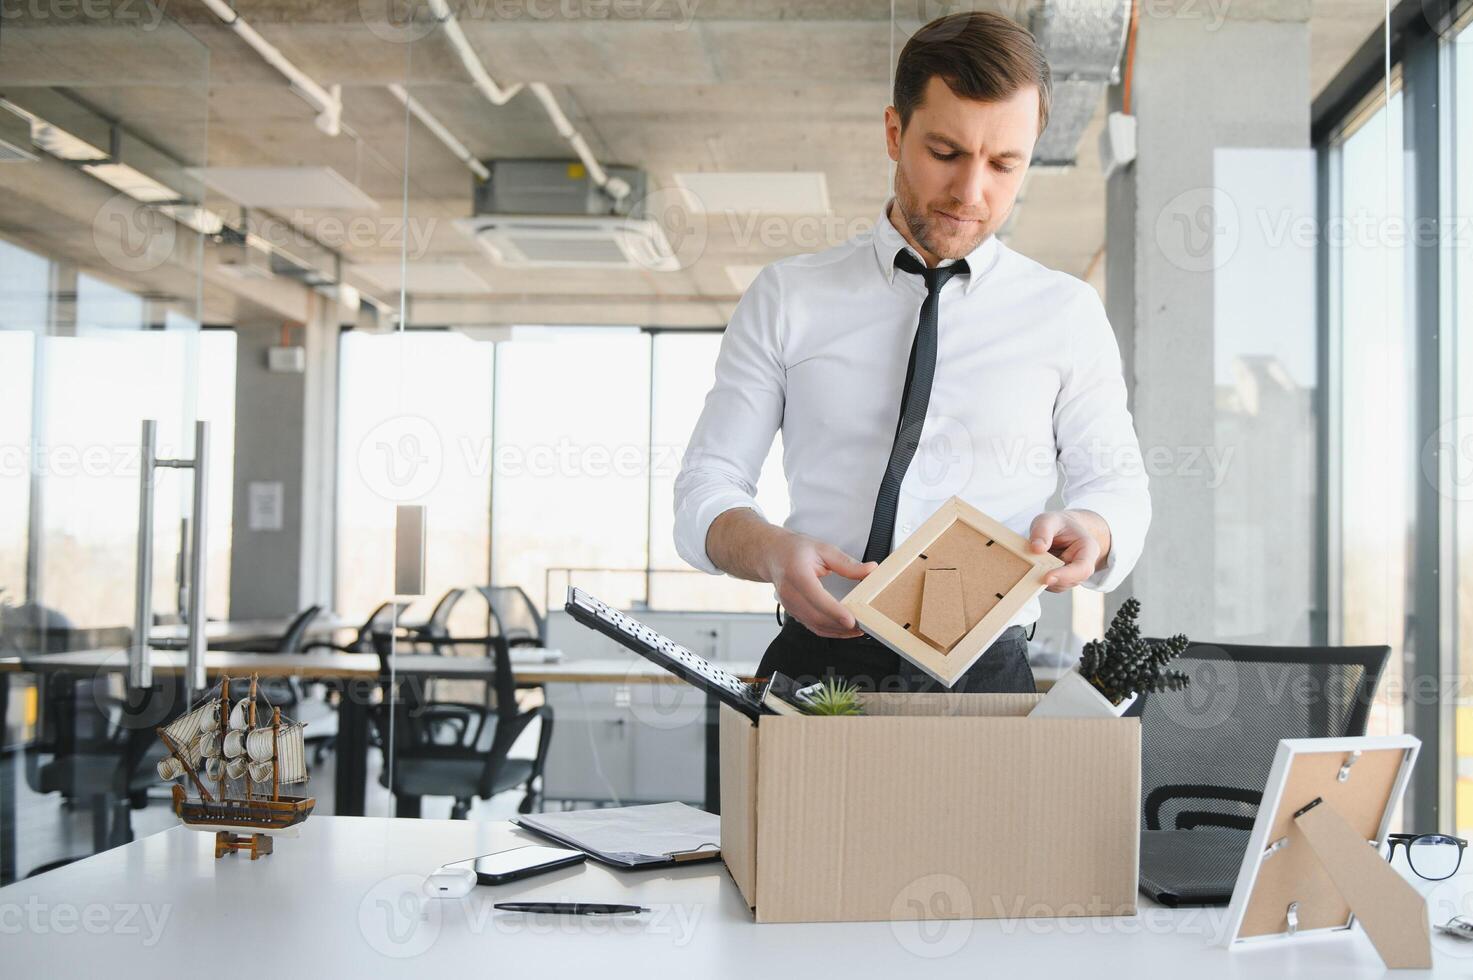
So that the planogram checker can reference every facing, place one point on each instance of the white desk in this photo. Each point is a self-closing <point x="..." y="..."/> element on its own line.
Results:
<point x="342" y="900"/>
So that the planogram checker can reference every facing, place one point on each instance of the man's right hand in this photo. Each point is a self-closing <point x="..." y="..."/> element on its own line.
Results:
<point x="741" y="543"/>
<point x="797" y="563"/>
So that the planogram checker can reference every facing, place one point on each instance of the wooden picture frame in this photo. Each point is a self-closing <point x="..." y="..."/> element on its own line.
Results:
<point x="947" y="592"/>
<point x="1307" y="869"/>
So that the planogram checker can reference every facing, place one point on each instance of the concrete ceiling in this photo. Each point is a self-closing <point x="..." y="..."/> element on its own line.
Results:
<point x="743" y="85"/>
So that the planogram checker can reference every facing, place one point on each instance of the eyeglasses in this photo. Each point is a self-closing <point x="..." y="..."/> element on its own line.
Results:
<point x="1431" y="856"/>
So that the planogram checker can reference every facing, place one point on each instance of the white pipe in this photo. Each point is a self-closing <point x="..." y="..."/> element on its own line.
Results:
<point x="327" y="102"/>
<point x="494" y="93"/>
<point x="617" y="189"/>
<point x="441" y="133"/>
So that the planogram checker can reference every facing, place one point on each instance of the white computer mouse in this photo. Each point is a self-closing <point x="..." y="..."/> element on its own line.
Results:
<point x="450" y="883"/>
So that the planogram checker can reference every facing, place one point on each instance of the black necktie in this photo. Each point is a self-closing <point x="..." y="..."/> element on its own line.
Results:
<point x="913" y="401"/>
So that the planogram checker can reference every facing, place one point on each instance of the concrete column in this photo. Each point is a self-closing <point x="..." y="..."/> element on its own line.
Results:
<point x="285" y="432"/>
<point x="266" y="563"/>
<point x="1210" y="81"/>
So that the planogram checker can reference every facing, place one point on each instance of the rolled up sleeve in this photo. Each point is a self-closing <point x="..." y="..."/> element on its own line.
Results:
<point x="734" y="433"/>
<point x="1099" y="454"/>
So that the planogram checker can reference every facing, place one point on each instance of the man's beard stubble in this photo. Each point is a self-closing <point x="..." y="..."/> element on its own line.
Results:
<point x="920" y="227"/>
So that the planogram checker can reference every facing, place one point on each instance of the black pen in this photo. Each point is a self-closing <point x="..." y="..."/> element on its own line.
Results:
<point x="569" y="908"/>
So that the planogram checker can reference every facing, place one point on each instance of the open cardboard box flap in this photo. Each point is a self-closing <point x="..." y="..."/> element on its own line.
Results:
<point x="961" y="795"/>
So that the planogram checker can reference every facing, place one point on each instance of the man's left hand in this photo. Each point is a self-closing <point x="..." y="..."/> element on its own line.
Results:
<point x="1080" y="537"/>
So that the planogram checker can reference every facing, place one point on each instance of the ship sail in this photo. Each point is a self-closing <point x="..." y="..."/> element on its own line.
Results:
<point x="236" y="768"/>
<point x="260" y="771"/>
<point x="291" y="755"/>
<point x="184" y="728"/>
<point x="170" y="768"/>
<point x="259" y="744"/>
<point x="234" y="744"/>
<point x="238" y="715"/>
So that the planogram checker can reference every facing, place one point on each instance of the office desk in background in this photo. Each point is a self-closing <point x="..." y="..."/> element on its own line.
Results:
<point x="341" y="900"/>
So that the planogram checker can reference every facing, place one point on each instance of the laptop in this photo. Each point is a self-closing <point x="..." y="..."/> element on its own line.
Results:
<point x="1191" y="867"/>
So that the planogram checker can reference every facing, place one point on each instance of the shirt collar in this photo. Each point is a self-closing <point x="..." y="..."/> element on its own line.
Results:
<point x="888" y="241"/>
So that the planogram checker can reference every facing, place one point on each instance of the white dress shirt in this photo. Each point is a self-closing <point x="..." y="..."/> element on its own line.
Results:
<point x="1027" y="386"/>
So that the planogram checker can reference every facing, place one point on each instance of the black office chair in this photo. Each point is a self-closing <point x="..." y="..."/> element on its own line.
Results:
<point x="446" y="748"/>
<point x="283" y="692"/>
<point x="1206" y="750"/>
<point x="435" y="631"/>
<point x="381" y="620"/>
<point x="513" y="615"/>
<point x="322" y="736"/>
<point x="99" y="749"/>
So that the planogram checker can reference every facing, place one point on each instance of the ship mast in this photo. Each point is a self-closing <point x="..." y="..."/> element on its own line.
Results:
<point x="224" y="727"/>
<point x="275" y="754"/>
<point x="250" y="727"/>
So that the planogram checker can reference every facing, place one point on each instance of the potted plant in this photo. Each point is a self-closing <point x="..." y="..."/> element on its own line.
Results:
<point x="1114" y="671"/>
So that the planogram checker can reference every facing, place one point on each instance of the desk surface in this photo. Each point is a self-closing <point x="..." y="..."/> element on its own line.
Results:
<point x="343" y="900"/>
<point x="529" y="663"/>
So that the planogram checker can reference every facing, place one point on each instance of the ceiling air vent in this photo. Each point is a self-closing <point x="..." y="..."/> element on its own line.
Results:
<point x="548" y="214"/>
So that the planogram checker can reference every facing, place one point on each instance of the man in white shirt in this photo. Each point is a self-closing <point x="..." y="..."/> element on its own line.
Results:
<point x="921" y="361"/>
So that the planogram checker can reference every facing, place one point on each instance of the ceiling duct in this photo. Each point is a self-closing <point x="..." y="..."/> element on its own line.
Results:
<point x="547" y="214"/>
<point x="1083" y="41"/>
<point x="15" y="138"/>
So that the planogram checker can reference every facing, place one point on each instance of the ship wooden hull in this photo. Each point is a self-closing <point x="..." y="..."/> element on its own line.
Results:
<point x="276" y="817"/>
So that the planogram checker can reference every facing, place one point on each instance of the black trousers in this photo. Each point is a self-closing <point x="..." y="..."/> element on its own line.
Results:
<point x="866" y="662"/>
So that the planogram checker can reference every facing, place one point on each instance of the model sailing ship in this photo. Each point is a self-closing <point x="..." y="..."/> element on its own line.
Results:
<point x="248" y="763"/>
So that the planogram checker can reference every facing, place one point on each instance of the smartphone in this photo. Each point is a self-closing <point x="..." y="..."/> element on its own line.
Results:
<point x="500" y="867"/>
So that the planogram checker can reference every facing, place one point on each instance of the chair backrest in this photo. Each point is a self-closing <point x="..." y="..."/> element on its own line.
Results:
<point x="296" y="634"/>
<point x="439" y="621"/>
<point x="1206" y="750"/>
<point x="512" y="613"/>
<point x="381" y="620"/>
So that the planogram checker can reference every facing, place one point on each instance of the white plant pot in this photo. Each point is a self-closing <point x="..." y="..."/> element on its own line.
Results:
<point x="1074" y="697"/>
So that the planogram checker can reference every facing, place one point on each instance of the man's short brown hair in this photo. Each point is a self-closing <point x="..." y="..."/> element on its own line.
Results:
<point x="979" y="55"/>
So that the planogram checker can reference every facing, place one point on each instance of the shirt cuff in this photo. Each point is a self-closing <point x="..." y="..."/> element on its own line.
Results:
<point x="1125" y="541"/>
<point x="699" y="525"/>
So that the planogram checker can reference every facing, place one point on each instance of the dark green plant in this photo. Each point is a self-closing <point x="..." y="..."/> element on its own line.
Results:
<point x="1124" y="663"/>
<point x="835" y="697"/>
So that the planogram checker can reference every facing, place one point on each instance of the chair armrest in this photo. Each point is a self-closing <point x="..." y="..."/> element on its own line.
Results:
<point x="1161" y="795"/>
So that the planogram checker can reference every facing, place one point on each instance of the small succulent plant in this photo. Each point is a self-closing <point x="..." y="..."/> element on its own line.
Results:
<point x="835" y="697"/>
<point x="1123" y="663"/>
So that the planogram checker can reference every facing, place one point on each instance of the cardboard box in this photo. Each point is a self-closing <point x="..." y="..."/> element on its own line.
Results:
<point x="931" y="806"/>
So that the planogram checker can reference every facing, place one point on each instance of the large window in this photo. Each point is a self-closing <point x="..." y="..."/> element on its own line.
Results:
<point x="1456" y="437"/>
<point x="576" y="470"/>
<point x="1375" y="459"/>
<point x="414" y="428"/>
